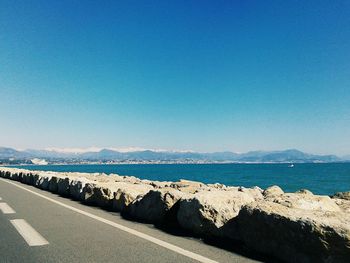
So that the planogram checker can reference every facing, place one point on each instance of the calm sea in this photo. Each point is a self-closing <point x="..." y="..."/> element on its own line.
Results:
<point x="322" y="178"/>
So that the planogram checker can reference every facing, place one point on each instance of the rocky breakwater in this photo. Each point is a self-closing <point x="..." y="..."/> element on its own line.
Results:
<point x="292" y="227"/>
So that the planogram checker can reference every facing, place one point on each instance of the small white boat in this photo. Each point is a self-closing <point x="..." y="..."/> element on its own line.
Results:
<point x="291" y="165"/>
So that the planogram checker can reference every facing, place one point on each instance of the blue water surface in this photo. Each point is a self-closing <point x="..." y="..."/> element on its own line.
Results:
<point x="320" y="178"/>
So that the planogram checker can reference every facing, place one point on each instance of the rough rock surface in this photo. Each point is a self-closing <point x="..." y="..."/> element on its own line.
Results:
<point x="295" y="235"/>
<point x="344" y="205"/>
<point x="304" y="191"/>
<point x="206" y="212"/>
<point x="342" y="195"/>
<point x="154" y="206"/>
<point x="305" y="201"/>
<point x="273" y="191"/>
<point x="126" y="193"/>
<point x="98" y="194"/>
<point x="187" y="186"/>
<point x="255" y="192"/>
<point x="76" y="187"/>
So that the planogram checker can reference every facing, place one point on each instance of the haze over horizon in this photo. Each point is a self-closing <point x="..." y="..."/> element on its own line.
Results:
<point x="93" y="149"/>
<point x="219" y="76"/>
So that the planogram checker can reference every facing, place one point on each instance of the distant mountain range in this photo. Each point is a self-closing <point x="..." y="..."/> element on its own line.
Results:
<point x="9" y="155"/>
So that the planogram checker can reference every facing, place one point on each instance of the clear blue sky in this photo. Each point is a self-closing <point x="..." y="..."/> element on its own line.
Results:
<point x="201" y="75"/>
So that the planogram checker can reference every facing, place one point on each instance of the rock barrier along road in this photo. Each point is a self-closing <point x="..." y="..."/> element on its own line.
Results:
<point x="292" y="227"/>
<point x="38" y="226"/>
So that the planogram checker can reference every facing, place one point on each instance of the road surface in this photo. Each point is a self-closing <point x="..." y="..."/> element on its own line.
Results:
<point x="38" y="226"/>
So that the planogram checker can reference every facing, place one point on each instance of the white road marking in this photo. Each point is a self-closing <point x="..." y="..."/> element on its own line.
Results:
<point x="6" y="209"/>
<point x="0" y="198"/>
<point x="154" y="240"/>
<point x="30" y="235"/>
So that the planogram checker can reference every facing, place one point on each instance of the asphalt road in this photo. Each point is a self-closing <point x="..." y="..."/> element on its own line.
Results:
<point x="61" y="230"/>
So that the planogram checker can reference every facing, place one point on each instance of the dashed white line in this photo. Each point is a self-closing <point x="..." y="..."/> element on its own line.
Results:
<point x="0" y="198"/>
<point x="149" y="238"/>
<point x="30" y="235"/>
<point x="6" y="209"/>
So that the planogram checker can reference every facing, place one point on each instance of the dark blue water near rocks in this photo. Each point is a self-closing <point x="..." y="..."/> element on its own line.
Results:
<point x="321" y="178"/>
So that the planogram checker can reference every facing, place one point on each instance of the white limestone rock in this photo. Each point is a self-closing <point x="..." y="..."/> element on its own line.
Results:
<point x="342" y="195"/>
<point x="206" y="212"/>
<point x="294" y="234"/>
<point x="305" y="201"/>
<point x="154" y="206"/>
<point x="126" y="193"/>
<point x="273" y="191"/>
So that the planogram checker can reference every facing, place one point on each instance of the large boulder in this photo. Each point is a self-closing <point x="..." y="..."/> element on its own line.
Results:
<point x="27" y="178"/>
<point x="97" y="194"/>
<point x="44" y="181"/>
<point x="343" y="204"/>
<point x="36" y="178"/>
<point x="103" y="196"/>
<point x="8" y="174"/>
<point x="273" y="191"/>
<point x="13" y="176"/>
<point x="156" y="184"/>
<point x="206" y="212"/>
<point x="76" y="187"/>
<point x="304" y="192"/>
<point x="63" y="186"/>
<point x="126" y="193"/>
<point x="115" y="177"/>
<point x="155" y="206"/>
<point x="342" y="195"/>
<point x="187" y="186"/>
<point x="131" y="179"/>
<point x="305" y="201"/>
<point x="256" y="192"/>
<point x="293" y="234"/>
<point x="87" y="193"/>
<point x="53" y="184"/>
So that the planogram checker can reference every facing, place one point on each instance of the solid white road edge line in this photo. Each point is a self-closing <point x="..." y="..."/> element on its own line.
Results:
<point x="30" y="235"/>
<point x="154" y="240"/>
<point x="6" y="209"/>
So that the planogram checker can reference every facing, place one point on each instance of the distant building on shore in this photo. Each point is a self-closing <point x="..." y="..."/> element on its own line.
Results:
<point x="39" y="161"/>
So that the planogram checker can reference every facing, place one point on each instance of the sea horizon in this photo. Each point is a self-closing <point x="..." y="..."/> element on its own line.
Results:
<point x="320" y="178"/>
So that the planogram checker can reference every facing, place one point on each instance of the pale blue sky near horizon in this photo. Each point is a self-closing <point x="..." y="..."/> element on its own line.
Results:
<point x="198" y="75"/>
